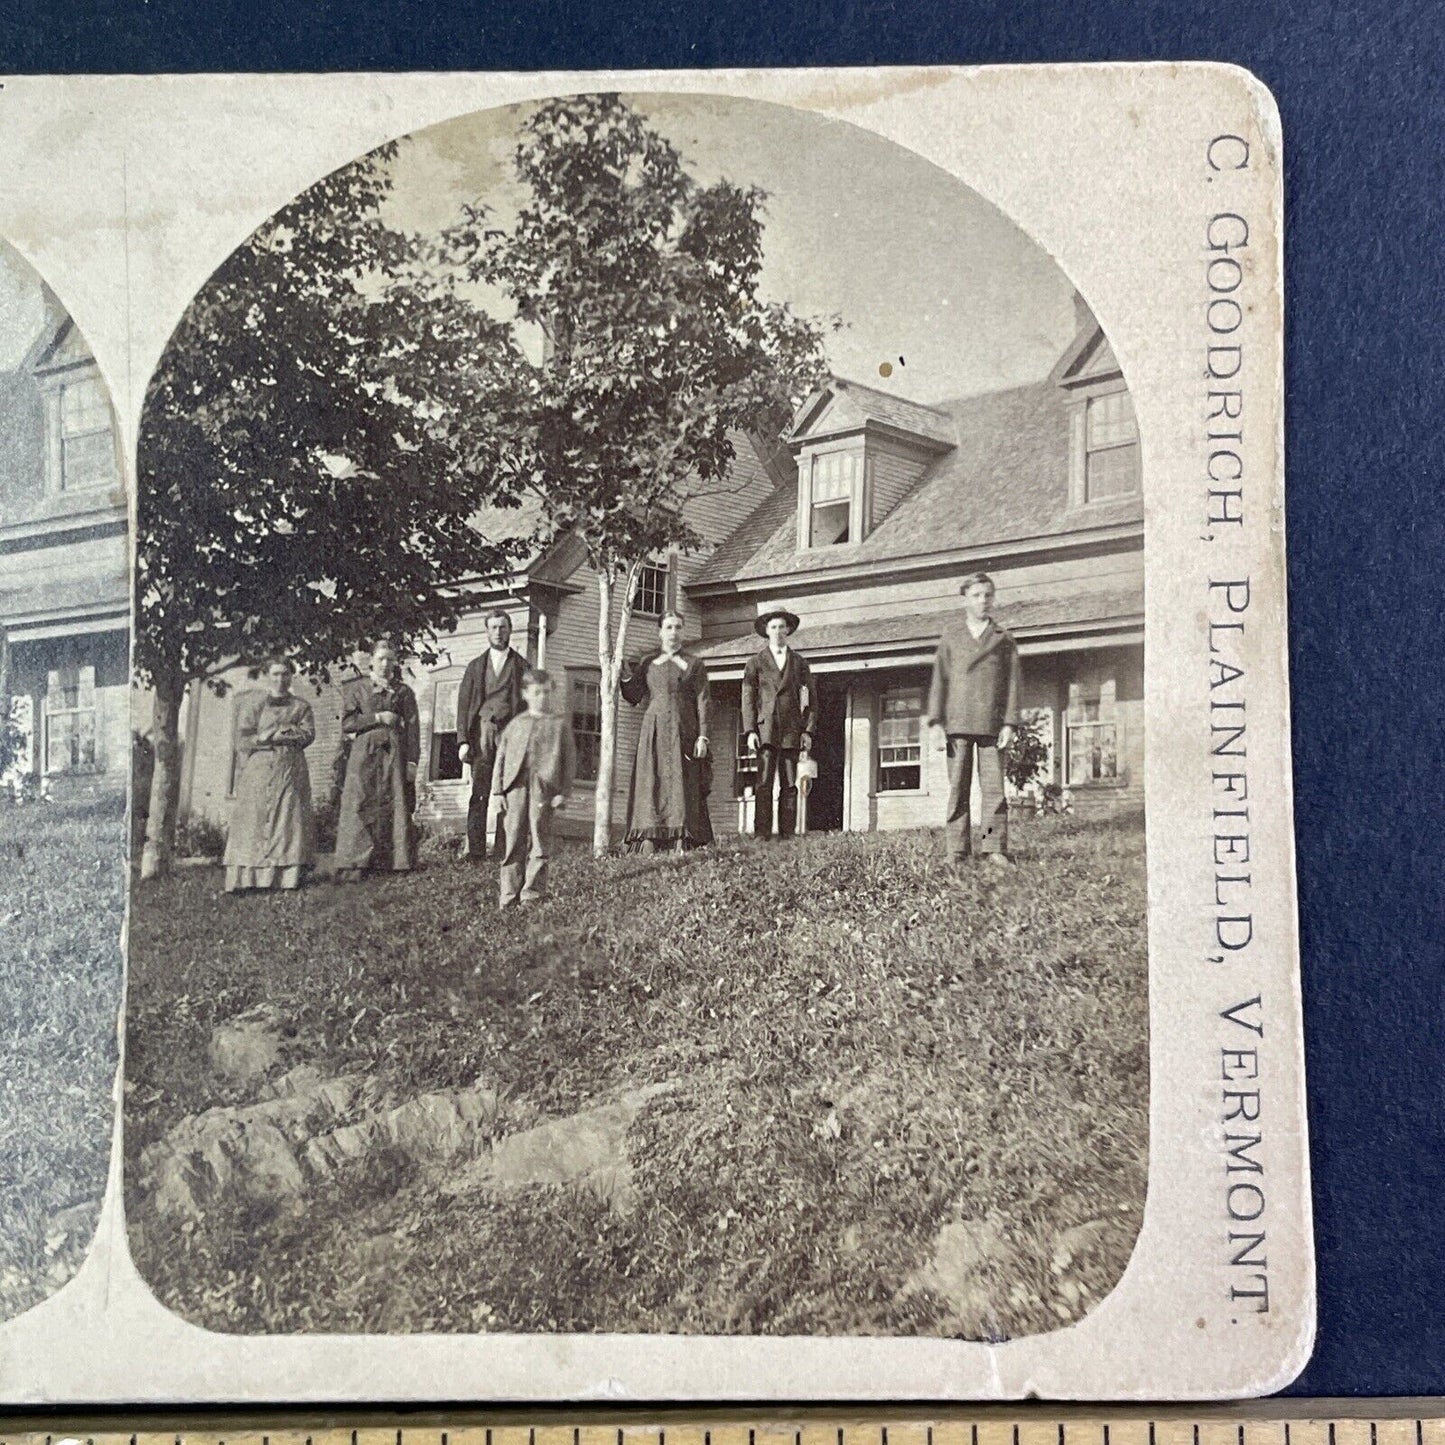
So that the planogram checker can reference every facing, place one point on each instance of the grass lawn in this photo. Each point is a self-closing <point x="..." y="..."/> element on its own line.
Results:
<point x="62" y="900"/>
<point x="865" y="1050"/>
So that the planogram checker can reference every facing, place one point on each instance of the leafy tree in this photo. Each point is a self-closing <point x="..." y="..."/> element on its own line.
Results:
<point x="659" y="348"/>
<point x="312" y="446"/>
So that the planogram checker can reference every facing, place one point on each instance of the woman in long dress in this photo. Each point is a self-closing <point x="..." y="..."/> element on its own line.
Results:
<point x="672" y="771"/>
<point x="383" y="733"/>
<point x="271" y="839"/>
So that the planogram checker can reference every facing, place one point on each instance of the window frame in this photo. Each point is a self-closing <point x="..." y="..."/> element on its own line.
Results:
<point x="54" y="682"/>
<point x="852" y="459"/>
<point x="436" y="734"/>
<point x="663" y="573"/>
<point x="592" y="677"/>
<point x="1089" y="449"/>
<point x="105" y="428"/>
<point x="1105" y="722"/>
<point x="880" y="768"/>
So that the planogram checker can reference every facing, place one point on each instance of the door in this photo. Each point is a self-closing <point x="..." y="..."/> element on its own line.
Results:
<point x="825" y="800"/>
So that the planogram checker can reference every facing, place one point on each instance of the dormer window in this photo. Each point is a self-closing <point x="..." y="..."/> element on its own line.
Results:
<point x="1111" y="447"/>
<point x="834" y="482"/>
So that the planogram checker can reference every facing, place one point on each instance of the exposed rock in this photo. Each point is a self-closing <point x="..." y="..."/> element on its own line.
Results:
<point x="248" y="1151"/>
<point x="587" y="1148"/>
<point x="433" y="1128"/>
<point x="962" y="1254"/>
<point x="305" y="1127"/>
<point x="248" y="1047"/>
<point x="1075" y="1243"/>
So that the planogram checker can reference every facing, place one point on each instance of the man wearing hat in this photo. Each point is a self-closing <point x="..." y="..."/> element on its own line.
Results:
<point x="778" y="719"/>
<point x="973" y="707"/>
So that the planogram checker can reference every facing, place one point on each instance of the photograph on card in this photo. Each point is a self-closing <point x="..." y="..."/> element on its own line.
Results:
<point x="65" y="755"/>
<point x="640" y="675"/>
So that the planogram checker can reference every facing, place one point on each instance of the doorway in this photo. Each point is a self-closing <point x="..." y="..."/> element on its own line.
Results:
<point x="825" y="801"/>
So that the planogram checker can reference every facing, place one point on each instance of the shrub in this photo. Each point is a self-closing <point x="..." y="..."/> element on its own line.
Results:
<point x="12" y="740"/>
<point x="199" y="838"/>
<point x="327" y="814"/>
<point x="1028" y="754"/>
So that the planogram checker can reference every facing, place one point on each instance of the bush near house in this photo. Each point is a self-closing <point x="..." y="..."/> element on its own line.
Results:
<point x="62" y="900"/>
<point x="896" y="1099"/>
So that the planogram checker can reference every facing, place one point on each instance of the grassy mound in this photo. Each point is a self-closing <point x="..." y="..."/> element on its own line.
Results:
<point x="867" y="1050"/>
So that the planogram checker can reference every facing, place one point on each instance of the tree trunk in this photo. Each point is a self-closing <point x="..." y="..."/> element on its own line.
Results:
<point x="5" y="705"/>
<point x="611" y="651"/>
<point x="607" y="745"/>
<point x="165" y="779"/>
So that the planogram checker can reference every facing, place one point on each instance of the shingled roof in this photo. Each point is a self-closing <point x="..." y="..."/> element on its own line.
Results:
<point x="1024" y="618"/>
<point x="868" y="403"/>
<point x="1006" y="478"/>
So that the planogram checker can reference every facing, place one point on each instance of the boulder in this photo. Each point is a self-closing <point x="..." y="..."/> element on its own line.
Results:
<point x="248" y="1047"/>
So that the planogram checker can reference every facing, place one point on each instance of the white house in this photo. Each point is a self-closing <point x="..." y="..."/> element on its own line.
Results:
<point x="64" y="566"/>
<point x="861" y="519"/>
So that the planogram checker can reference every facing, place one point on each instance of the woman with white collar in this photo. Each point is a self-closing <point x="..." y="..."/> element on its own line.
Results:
<point x="672" y="771"/>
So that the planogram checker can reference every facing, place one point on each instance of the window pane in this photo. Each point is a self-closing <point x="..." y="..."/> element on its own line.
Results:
<point x="1111" y="421"/>
<point x="833" y="474"/>
<point x="87" y="461"/>
<point x="830" y="524"/>
<point x="70" y="742"/>
<point x="444" y="707"/>
<point x="899" y="780"/>
<point x="1093" y="753"/>
<point x="900" y="736"/>
<point x="586" y="694"/>
<point x="651" y="592"/>
<point x="1111" y="473"/>
<point x="84" y="408"/>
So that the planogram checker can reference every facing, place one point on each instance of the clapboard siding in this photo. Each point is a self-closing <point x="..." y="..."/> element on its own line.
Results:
<point x="893" y="471"/>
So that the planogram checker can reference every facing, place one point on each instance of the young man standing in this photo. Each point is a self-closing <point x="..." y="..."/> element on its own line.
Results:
<point x="779" y="713"/>
<point x="489" y="698"/>
<point x="973" y="707"/>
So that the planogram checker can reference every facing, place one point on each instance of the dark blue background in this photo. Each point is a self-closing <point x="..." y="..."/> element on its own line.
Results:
<point x="1360" y="90"/>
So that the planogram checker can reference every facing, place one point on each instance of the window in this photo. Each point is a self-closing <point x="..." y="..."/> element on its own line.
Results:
<point x="1091" y="741"/>
<point x="70" y="721"/>
<point x="833" y="478"/>
<point x="651" y="592"/>
<point x="1111" y="447"/>
<point x="745" y="766"/>
<point x="87" y="447"/>
<point x="900" y="741"/>
<point x="586" y="702"/>
<point x="446" y="766"/>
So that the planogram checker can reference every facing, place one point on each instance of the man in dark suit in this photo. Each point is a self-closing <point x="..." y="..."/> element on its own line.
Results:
<point x="489" y="698"/>
<point x="779" y="713"/>
<point x="973" y="707"/>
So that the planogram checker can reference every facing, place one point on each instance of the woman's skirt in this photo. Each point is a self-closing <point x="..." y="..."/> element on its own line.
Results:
<point x="667" y="805"/>
<point x="271" y="838"/>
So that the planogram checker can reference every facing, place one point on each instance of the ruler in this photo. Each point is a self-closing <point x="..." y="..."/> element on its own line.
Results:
<point x="1278" y="1422"/>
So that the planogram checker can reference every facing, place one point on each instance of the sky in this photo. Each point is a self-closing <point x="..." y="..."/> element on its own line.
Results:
<point x="926" y="275"/>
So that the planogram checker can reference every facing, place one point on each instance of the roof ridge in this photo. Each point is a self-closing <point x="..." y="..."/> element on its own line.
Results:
<point x="848" y="383"/>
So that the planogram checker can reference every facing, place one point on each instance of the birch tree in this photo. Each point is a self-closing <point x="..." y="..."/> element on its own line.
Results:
<point x="659" y="346"/>
<point x="311" y="449"/>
